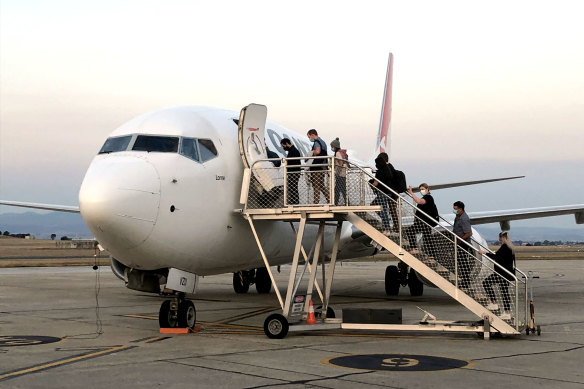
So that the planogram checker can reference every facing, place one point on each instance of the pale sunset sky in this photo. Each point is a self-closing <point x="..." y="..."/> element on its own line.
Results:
<point x="481" y="89"/>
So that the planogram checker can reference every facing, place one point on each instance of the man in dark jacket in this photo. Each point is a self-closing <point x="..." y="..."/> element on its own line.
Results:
<point x="502" y="276"/>
<point x="292" y="170"/>
<point x="422" y="224"/>
<point x="463" y="230"/>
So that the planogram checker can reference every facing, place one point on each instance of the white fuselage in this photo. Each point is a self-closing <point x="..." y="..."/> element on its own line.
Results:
<point x="155" y="210"/>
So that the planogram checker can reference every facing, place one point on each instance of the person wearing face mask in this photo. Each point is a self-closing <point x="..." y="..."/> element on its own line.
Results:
<point x="463" y="230"/>
<point x="422" y="224"/>
<point x="292" y="170"/>
<point x="317" y="176"/>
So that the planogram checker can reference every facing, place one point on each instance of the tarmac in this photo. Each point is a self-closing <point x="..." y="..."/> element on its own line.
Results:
<point x="50" y="319"/>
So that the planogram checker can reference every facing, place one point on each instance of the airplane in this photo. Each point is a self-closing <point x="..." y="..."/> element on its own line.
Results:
<point x="161" y="192"/>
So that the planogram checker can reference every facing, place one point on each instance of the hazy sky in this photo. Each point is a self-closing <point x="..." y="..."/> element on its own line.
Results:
<point x="480" y="89"/>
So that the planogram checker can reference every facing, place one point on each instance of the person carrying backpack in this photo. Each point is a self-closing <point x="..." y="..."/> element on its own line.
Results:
<point x="397" y="184"/>
<point x="340" y="172"/>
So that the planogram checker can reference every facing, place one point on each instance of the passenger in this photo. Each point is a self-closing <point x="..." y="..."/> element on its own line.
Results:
<point x="340" y="172"/>
<point x="463" y="230"/>
<point x="271" y="155"/>
<point x="382" y="175"/>
<point x="422" y="223"/>
<point x="317" y="175"/>
<point x="393" y="179"/>
<point x="505" y="257"/>
<point x="292" y="173"/>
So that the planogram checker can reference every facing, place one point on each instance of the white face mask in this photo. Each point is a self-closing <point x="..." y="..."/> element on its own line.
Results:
<point x="423" y="192"/>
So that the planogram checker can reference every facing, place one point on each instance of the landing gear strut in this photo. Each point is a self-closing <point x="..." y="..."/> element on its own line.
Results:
<point x="177" y="313"/>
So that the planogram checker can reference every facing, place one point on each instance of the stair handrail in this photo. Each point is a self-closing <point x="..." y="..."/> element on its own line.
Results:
<point x="487" y="249"/>
<point x="495" y="265"/>
<point x="331" y="163"/>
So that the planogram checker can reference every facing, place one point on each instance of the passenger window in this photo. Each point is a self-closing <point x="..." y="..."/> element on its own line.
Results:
<point x="189" y="149"/>
<point x="116" y="144"/>
<point x="162" y="144"/>
<point x="207" y="149"/>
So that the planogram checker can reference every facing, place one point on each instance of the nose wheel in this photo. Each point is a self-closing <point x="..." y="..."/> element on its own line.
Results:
<point x="177" y="313"/>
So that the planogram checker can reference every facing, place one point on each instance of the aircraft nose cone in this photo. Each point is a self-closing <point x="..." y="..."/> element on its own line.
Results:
<point x="119" y="200"/>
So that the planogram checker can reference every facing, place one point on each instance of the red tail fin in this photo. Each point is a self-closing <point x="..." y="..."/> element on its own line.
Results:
<point x="385" y="119"/>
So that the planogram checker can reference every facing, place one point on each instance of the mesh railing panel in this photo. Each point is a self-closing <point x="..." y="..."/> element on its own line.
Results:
<point x="431" y="242"/>
<point x="452" y="258"/>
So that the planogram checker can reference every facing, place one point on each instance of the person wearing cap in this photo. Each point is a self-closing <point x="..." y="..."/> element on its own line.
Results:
<point x="340" y="172"/>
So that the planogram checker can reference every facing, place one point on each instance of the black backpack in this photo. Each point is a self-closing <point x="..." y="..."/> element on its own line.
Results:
<point x="400" y="182"/>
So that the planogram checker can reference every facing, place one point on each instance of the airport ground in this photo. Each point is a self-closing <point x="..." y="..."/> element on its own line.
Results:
<point x="59" y="304"/>
<point x="231" y="351"/>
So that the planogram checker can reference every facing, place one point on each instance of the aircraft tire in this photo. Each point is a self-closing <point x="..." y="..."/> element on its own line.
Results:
<point x="187" y="314"/>
<point x="276" y="326"/>
<point x="240" y="283"/>
<point x="416" y="286"/>
<point x="263" y="281"/>
<point x="330" y="313"/>
<point x="165" y="319"/>
<point x="391" y="281"/>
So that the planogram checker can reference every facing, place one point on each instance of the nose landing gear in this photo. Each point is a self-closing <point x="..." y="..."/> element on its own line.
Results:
<point x="177" y="313"/>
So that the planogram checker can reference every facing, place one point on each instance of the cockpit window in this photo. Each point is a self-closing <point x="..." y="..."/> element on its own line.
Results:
<point x="207" y="149"/>
<point x="189" y="149"/>
<point x="116" y="144"/>
<point x="162" y="144"/>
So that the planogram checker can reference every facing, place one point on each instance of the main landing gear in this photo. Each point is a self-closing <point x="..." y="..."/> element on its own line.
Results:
<point x="402" y="275"/>
<point x="177" y="313"/>
<point x="260" y="277"/>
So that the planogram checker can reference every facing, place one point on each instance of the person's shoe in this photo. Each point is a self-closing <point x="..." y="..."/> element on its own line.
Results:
<point x="414" y="251"/>
<point x="386" y="232"/>
<point x="492" y="306"/>
<point x="505" y="316"/>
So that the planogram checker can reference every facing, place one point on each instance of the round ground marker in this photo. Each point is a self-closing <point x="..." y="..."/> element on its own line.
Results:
<point x="396" y="362"/>
<point x="26" y="340"/>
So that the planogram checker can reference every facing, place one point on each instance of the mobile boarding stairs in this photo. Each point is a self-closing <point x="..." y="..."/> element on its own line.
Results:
<point x="333" y="191"/>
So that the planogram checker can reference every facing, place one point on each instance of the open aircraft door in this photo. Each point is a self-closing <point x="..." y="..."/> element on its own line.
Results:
<point x="252" y="147"/>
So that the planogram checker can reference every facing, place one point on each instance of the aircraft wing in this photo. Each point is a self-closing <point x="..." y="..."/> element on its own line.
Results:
<point x="505" y="216"/>
<point x="466" y="183"/>
<point x="49" y="207"/>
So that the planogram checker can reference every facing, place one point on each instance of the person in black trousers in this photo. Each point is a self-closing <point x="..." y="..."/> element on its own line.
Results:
<point x="292" y="173"/>
<point x="422" y="223"/>
<point x="382" y="175"/>
<point x="506" y="259"/>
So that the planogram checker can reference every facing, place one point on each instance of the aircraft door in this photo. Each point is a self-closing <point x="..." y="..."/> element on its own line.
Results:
<point x="252" y="147"/>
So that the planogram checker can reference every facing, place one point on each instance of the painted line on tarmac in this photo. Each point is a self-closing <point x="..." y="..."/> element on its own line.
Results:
<point x="61" y="362"/>
<point x="150" y="339"/>
<point x="223" y="322"/>
<point x="222" y="327"/>
<point x="142" y="317"/>
<point x="245" y="315"/>
<point x="205" y="323"/>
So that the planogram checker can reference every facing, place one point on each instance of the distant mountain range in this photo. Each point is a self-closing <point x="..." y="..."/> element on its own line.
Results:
<point x="71" y="225"/>
<point x="43" y="225"/>
<point x="535" y="234"/>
